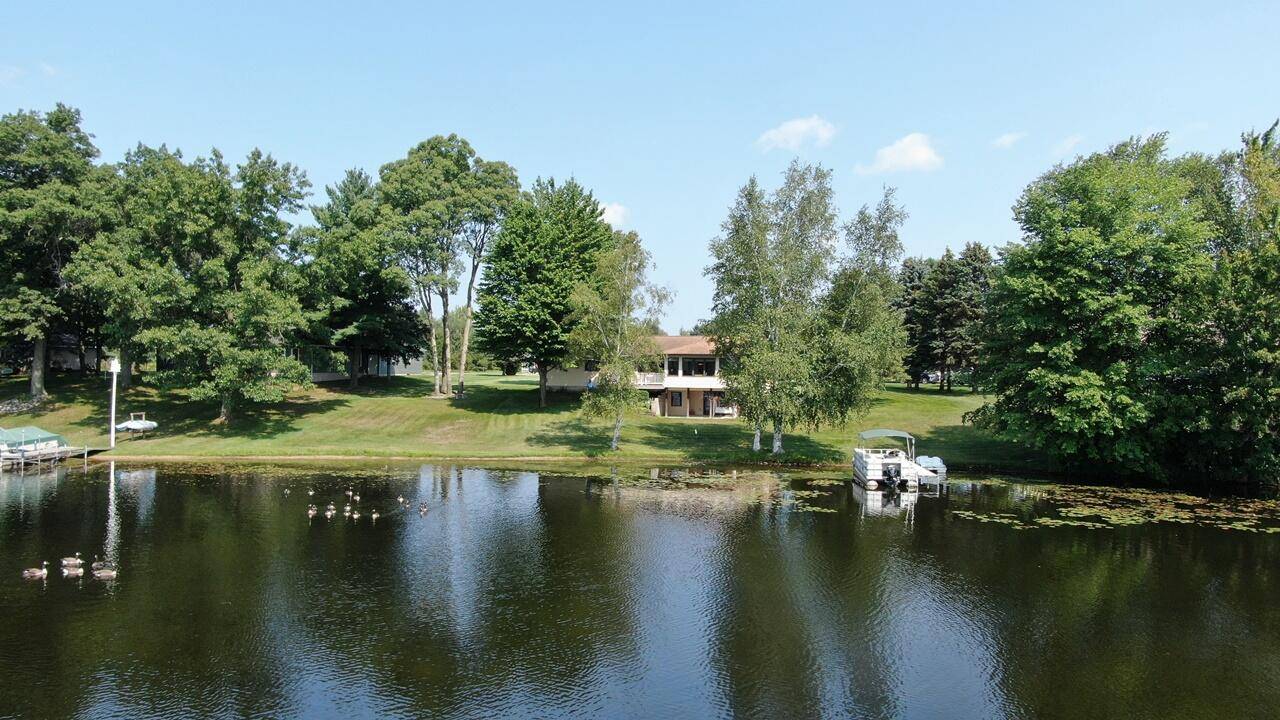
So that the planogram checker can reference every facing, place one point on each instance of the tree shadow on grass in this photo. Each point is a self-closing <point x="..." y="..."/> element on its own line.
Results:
<point x="499" y="400"/>
<point x="177" y="415"/>
<point x="700" y="441"/>
<point x="577" y="435"/>
<point x="964" y="447"/>
<point x="393" y="386"/>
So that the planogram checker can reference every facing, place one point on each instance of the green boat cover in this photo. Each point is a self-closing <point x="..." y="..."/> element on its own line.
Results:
<point x="30" y="435"/>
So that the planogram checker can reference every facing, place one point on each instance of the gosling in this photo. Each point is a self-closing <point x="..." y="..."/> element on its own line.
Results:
<point x="39" y="573"/>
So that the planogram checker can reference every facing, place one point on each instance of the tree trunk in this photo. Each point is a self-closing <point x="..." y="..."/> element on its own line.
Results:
<point x="755" y="440"/>
<point x="431" y="340"/>
<point x="446" y="363"/>
<point x="542" y="385"/>
<point x="617" y="432"/>
<point x="39" y="356"/>
<point x="777" y="438"/>
<point x="97" y="358"/>
<point x="225" y="414"/>
<point x="126" y="369"/>
<point x="80" y="357"/>
<point x="353" y="367"/>
<point x="466" y="332"/>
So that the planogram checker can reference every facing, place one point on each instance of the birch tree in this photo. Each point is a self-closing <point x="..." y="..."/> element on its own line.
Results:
<point x="613" y="315"/>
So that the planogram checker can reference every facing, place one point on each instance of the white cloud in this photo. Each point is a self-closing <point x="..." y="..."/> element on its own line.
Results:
<point x="9" y="74"/>
<point x="912" y="152"/>
<point x="793" y="134"/>
<point x="616" y="214"/>
<point x="1008" y="140"/>
<point x="48" y="69"/>
<point x="1066" y="145"/>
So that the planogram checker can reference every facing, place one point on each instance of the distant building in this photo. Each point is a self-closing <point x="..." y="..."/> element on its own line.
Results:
<point x="687" y="385"/>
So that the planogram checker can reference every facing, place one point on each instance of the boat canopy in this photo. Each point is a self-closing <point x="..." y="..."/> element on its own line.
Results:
<point x="887" y="433"/>
<point x="884" y="432"/>
<point x="28" y="436"/>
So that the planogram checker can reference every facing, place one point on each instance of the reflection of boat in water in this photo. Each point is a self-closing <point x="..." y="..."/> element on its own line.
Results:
<point x="885" y="503"/>
<point x="875" y="468"/>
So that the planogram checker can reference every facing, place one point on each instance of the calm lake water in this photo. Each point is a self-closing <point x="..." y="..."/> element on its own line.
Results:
<point x="521" y="594"/>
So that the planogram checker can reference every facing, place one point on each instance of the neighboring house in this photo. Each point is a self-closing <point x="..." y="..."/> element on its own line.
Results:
<point x="688" y="384"/>
<point x="64" y="353"/>
<point x="328" y="363"/>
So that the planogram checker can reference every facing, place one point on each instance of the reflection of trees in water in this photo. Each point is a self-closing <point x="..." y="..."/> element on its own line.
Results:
<point x="1157" y="620"/>
<point x="507" y="592"/>
<point x="795" y="633"/>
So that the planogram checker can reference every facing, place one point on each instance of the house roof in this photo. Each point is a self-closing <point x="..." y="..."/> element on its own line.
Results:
<point x="684" y="344"/>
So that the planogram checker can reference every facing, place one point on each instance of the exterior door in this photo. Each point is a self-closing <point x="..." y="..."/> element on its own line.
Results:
<point x="706" y="404"/>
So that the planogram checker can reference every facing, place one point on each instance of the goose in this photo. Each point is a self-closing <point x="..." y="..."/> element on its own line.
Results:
<point x="39" y="573"/>
<point x="286" y="492"/>
<point x="73" y="572"/>
<point x="310" y="492"/>
<point x="105" y="574"/>
<point x="374" y="515"/>
<point x="349" y="492"/>
<point x="346" y="508"/>
<point x="72" y="561"/>
<point x="99" y="564"/>
<point x="355" y="514"/>
<point x="422" y="509"/>
<point x="311" y="511"/>
<point x="330" y="507"/>
<point x="400" y="499"/>
<point x="356" y="497"/>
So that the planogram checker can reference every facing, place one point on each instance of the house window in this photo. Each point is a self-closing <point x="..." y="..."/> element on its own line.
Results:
<point x="702" y="367"/>
<point x="673" y="366"/>
<point x="677" y="398"/>
<point x="591" y="365"/>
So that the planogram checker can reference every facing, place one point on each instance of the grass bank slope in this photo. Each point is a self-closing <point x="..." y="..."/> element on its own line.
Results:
<point x="499" y="418"/>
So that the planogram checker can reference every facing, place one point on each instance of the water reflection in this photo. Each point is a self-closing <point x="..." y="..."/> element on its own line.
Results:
<point x="541" y="594"/>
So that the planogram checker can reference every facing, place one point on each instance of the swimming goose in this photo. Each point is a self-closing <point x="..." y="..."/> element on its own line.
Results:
<point x="374" y="514"/>
<point x="286" y="492"/>
<point x="105" y="574"/>
<point x="39" y="573"/>
<point x="310" y="492"/>
<point x="356" y="497"/>
<point x="355" y="514"/>
<point x="72" y="561"/>
<point x="99" y="564"/>
<point x="400" y="499"/>
<point x="311" y="511"/>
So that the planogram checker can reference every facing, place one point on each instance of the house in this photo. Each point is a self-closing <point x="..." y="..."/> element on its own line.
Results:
<point x="688" y="384"/>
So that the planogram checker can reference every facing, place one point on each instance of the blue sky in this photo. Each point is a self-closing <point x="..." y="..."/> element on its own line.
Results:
<point x="665" y="109"/>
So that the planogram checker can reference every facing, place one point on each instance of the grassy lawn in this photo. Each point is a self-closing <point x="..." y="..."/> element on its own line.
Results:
<point x="499" y="418"/>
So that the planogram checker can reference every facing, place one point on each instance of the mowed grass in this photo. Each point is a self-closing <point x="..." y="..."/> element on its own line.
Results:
<point x="499" y="418"/>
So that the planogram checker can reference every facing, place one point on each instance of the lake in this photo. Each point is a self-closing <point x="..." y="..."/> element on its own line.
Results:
<point x="649" y="594"/>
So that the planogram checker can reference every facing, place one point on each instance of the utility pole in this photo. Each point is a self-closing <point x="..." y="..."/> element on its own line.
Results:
<point x="115" y="371"/>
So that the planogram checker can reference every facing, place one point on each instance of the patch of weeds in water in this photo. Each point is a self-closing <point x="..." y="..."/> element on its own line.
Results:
<point x="1100" y="508"/>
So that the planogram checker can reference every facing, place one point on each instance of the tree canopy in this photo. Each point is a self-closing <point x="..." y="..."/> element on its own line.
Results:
<point x="547" y="247"/>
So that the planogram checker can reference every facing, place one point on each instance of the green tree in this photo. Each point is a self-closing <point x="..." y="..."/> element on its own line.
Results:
<point x="354" y="278"/>
<point x="223" y="326"/>
<point x="978" y="268"/>
<point x="50" y="203"/>
<point x="547" y="247"/>
<point x="442" y="201"/>
<point x="771" y="269"/>
<point x="1087" y="314"/>
<point x="612" y="319"/>
<point x="947" y="310"/>
<point x="912" y="302"/>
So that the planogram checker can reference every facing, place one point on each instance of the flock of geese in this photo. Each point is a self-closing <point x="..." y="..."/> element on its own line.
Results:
<point x="73" y="567"/>
<point x="350" y="509"/>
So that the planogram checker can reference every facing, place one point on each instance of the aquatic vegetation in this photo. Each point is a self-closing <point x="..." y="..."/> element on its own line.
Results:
<point x="1108" y="507"/>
